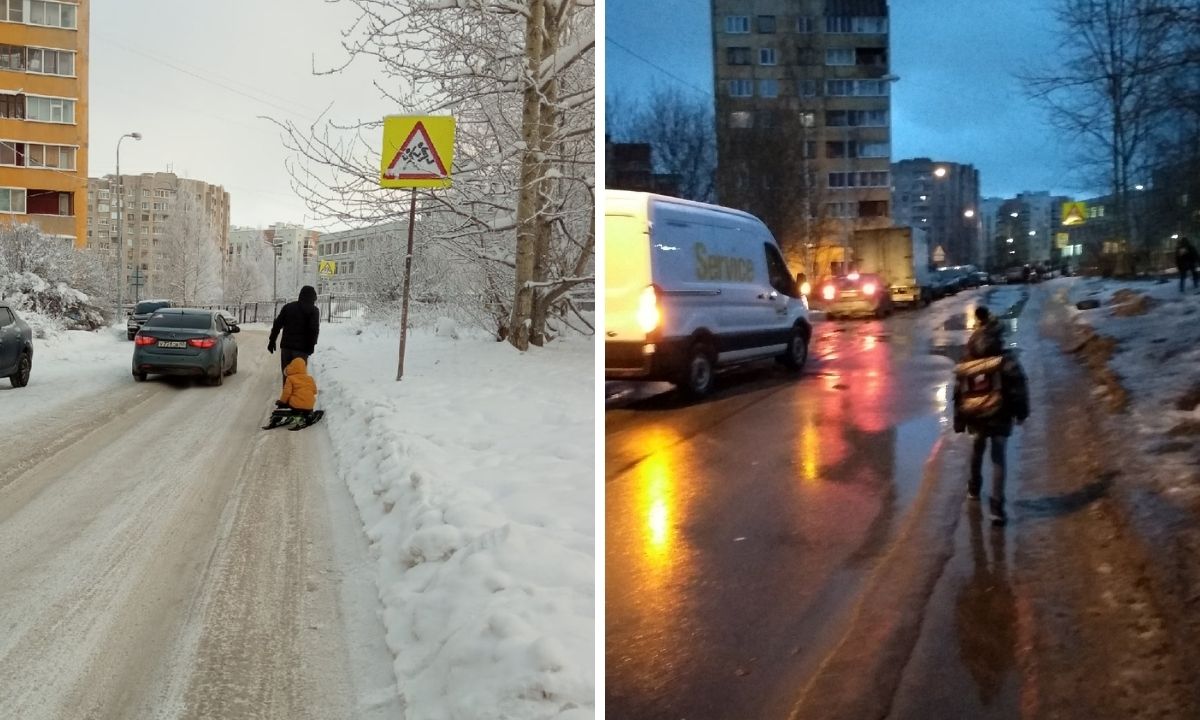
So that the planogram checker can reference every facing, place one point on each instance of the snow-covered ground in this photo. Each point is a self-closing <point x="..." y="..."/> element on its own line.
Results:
<point x="474" y="477"/>
<point x="474" y="480"/>
<point x="67" y="365"/>
<point x="1157" y="361"/>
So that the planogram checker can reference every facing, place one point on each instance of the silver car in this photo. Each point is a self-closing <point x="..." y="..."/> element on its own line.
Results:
<point x="185" y="341"/>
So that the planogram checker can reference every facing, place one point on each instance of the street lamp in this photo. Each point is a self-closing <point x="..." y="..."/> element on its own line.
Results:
<point x="940" y="172"/>
<point x="278" y="251"/>
<point x="968" y="213"/>
<point x="1013" y="214"/>
<point x="120" y="220"/>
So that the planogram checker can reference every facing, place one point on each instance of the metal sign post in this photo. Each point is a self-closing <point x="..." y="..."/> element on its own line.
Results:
<point x="418" y="152"/>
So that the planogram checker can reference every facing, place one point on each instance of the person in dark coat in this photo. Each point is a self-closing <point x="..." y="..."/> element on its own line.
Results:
<point x="990" y="392"/>
<point x="300" y="322"/>
<point x="1186" y="260"/>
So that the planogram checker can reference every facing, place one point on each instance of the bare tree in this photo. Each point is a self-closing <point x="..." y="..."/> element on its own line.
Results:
<point x="680" y="131"/>
<point x="1104" y="87"/>
<point x="519" y="78"/>
<point x="192" y="258"/>
<point x="776" y="181"/>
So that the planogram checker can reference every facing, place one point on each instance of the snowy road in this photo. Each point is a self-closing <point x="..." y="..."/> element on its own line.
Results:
<point x="164" y="558"/>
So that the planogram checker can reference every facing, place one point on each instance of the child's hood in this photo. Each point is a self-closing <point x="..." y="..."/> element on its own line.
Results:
<point x="295" y="367"/>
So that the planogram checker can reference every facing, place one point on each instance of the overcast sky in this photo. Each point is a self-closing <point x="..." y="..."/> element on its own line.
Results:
<point x="193" y="79"/>
<point x="957" y="99"/>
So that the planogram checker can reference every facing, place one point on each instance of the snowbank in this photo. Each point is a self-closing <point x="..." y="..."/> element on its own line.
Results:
<point x="1155" y="355"/>
<point x="474" y="479"/>
<point x="67" y="365"/>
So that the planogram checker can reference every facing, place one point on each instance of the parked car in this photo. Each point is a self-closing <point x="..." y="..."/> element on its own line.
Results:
<point x="856" y="294"/>
<point x="691" y="288"/>
<point x="185" y="341"/>
<point x="982" y="278"/>
<point x="946" y="281"/>
<point x="141" y="312"/>
<point x="1016" y="275"/>
<point x="16" y="347"/>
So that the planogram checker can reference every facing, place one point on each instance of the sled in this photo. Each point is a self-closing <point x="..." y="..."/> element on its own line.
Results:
<point x="286" y="416"/>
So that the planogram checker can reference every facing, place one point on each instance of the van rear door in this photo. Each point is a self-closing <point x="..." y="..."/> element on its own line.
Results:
<point x="626" y="269"/>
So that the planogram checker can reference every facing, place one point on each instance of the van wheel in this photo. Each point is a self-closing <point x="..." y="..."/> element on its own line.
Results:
<point x="696" y="378"/>
<point x="797" y="351"/>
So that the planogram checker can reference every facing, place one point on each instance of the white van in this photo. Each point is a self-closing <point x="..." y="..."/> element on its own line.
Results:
<point x="690" y="288"/>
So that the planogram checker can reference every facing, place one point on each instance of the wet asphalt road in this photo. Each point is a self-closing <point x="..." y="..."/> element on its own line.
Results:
<point x="749" y="538"/>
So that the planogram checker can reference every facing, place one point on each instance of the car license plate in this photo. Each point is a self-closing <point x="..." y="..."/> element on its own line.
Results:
<point x="172" y="343"/>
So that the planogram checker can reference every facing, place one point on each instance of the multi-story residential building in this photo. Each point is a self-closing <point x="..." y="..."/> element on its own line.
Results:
<point x="943" y="198"/>
<point x="1022" y="229"/>
<point x="803" y="116"/>
<point x="629" y="166"/>
<point x="295" y="249"/>
<point x="149" y="222"/>
<point x="44" y="115"/>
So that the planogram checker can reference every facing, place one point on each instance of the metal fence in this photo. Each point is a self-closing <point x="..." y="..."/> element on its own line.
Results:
<point x="333" y="309"/>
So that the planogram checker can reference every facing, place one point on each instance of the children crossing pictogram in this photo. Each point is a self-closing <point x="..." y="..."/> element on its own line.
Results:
<point x="417" y="158"/>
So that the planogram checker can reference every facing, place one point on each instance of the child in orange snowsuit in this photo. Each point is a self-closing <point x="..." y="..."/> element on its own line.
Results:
<point x="299" y="388"/>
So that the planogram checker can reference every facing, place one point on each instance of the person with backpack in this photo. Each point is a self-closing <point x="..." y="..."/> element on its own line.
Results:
<point x="300" y="321"/>
<point x="1186" y="260"/>
<point x="990" y="392"/>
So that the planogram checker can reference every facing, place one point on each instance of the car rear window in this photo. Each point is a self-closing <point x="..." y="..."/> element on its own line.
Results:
<point x="191" y="322"/>
<point x="149" y="307"/>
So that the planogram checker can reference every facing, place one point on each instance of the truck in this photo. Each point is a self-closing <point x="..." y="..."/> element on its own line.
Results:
<point x="900" y="255"/>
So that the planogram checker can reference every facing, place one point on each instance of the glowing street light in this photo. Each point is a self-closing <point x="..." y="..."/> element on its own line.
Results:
<point x="968" y="213"/>
<point x="1013" y="214"/>
<point x="1010" y="240"/>
<point x="1139" y="187"/>
<point x="1032" y="233"/>
<point x="940" y="172"/>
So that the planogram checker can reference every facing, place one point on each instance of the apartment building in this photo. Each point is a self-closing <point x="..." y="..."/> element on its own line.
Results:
<point x="803" y="115"/>
<point x="295" y="249"/>
<point x="943" y="198"/>
<point x="151" y="201"/>
<point x="44" y="115"/>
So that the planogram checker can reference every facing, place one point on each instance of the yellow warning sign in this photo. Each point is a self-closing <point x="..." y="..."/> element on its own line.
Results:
<point x="327" y="268"/>
<point x="1074" y="213"/>
<point x="418" y="151"/>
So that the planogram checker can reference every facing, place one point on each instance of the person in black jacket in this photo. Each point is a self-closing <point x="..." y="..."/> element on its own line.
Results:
<point x="1186" y="260"/>
<point x="990" y="391"/>
<point x="300" y="322"/>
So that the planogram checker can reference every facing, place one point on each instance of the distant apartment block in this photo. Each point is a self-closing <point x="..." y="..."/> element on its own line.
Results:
<point x="943" y="198"/>
<point x="44" y="115"/>
<point x="150" y="201"/>
<point x="295" y="248"/>
<point x="630" y="166"/>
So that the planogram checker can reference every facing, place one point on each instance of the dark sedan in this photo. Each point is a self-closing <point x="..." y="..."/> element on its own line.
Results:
<point x="16" y="347"/>
<point x="141" y="313"/>
<point x="185" y="341"/>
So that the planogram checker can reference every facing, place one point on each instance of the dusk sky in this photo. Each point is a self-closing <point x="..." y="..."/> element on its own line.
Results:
<point x="957" y="99"/>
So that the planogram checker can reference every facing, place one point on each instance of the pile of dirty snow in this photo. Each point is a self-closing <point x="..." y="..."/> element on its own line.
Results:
<point x="474" y="477"/>
<point x="49" y="307"/>
<point x="1153" y="332"/>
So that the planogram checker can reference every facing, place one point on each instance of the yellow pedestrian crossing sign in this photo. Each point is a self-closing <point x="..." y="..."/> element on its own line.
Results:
<point x="1074" y="213"/>
<point x="327" y="268"/>
<point x="418" y="151"/>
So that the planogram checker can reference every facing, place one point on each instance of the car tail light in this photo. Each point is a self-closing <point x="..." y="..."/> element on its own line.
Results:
<point x="648" y="315"/>
<point x="828" y="292"/>
<point x="853" y="277"/>
<point x="869" y="288"/>
<point x="204" y="343"/>
<point x="144" y="340"/>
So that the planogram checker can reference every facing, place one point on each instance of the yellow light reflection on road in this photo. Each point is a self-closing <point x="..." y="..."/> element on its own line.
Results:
<point x="657" y="498"/>
<point x="810" y="448"/>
